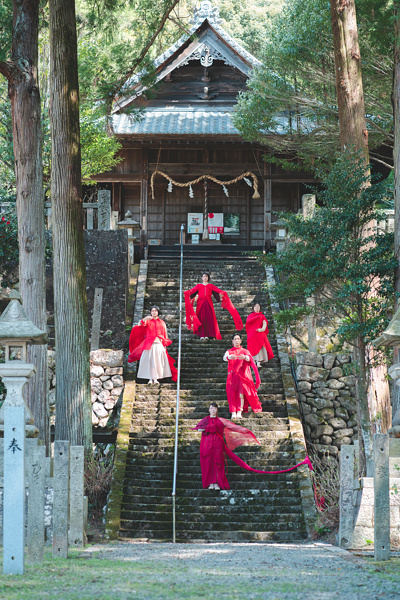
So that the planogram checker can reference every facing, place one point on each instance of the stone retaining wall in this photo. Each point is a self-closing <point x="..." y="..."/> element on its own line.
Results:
<point x="107" y="384"/>
<point x="329" y="399"/>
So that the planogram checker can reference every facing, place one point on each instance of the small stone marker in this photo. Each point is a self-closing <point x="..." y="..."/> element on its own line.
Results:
<point x="104" y="210"/>
<point x="85" y="513"/>
<point x="14" y="491"/>
<point x="114" y="220"/>
<point x="346" y="496"/>
<point x="76" y="497"/>
<point x="381" y="497"/>
<point x="96" y="319"/>
<point x="61" y="498"/>
<point x="308" y="202"/>
<point x="89" y="218"/>
<point x="36" y="467"/>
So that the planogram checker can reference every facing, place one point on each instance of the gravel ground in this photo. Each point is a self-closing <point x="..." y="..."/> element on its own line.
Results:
<point x="313" y="571"/>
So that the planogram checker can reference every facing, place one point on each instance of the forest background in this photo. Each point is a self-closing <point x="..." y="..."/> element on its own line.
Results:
<point x="119" y="38"/>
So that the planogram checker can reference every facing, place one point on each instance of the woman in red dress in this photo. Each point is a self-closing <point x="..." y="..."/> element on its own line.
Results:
<point x="240" y="388"/>
<point x="257" y="340"/>
<point x="147" y="343"/>
<point x="204" y="322"/>
<point x="213" y="448"/>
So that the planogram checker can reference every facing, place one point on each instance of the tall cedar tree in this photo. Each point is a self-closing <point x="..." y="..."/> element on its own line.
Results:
<point x="354" y="135"/>
<point x="21" y="71"/>
<point x="396" y="159"/>
<point x="337" y="256"/>
<point x="73" y="399"/>
<point x="349" y="87"/>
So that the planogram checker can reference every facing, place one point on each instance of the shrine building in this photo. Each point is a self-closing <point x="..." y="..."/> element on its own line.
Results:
<point x="187" y="132"/>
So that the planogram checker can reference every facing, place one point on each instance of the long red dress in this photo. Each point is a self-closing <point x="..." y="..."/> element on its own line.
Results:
<point x="204" y="322"/>
<point x="240" y="381"/>
<point x="213" y="449"/>
<point x="258" y="339"/>
<point x="142" y="338"/>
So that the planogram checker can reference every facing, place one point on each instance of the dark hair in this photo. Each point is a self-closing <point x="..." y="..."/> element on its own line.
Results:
<point x="157" y="309"/>
<point x="259" y="304"/>
<point x="214" y="404"/>
<point x="235" y="334"/>
<point x="208" y="275"/>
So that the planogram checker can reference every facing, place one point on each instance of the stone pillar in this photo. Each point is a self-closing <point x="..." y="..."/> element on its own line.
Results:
<point x="308" y="208"/>
<point x="61" y="499"/>
<point x="89" y="218"/>
<point x="312" y="327"/>
<point x="346" y="496"/>
<point x="36" y="467"/>
<point x="96" y="319"/>
<point x="308" y="205"/>
<point x="381" y="497"/>
<point x="14" y="491"/>
<point x="76" y="497"/>
<point x="104" y="210"/>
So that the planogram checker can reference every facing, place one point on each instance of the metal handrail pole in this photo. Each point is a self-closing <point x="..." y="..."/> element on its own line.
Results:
<point x="178" y="382"/>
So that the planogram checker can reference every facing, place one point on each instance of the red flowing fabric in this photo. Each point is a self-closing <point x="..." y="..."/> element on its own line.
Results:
<point x="257" y="339"/>
<point x="205" y="294"/>
<point x="212" y="457"/>
<point x="212" y="447"/>
<point x="240" y="381"/>
<point x="142" y="338"/>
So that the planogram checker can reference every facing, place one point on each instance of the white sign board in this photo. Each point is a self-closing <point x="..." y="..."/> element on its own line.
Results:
<point x="195" y="223"/>
<point x="216" y="222"/>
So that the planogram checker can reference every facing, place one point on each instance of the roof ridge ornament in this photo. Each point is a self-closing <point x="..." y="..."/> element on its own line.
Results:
<point x="206" y="10"/>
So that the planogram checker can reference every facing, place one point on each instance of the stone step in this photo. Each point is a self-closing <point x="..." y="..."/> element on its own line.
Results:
<point x="209" y="519"/>
<point x="212" y="501"/>
<point x="258" y="507"/>
<point x="238" y="481"/>
<point x="207" y="525"/>
<point x="141" y="445"/>
<point x="217" y="536"/>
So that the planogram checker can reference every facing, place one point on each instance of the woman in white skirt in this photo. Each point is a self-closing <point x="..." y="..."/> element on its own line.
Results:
<point x="147" y="343"/>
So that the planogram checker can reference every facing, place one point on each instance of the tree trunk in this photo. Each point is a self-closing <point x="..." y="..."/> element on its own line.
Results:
<point x="354" y="134"/>
<point x="73" y="397"/>
<point x="396" y="160"/>
<point x="349" y="88"/>
<point x="21" y="72"/>
<point x="363" y="417"/>
<point x="396" y="148"/>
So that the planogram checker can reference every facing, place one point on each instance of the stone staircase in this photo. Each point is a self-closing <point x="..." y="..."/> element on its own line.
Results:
<point x="258" y="507"/>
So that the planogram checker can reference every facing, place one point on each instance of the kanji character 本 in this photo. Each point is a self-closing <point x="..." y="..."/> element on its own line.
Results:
<point x="14" y="446"/>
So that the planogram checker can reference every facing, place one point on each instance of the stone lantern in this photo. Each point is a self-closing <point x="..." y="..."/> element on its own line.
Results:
<point x="16" y="332"/>
<point x="131" y="225"/>
<point x="281" y="234"/>
<point x="391" y="337"/>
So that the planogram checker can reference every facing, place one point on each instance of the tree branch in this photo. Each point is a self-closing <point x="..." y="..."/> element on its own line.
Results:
<point x="5" y="69"/>
<point x="146" y="48"/>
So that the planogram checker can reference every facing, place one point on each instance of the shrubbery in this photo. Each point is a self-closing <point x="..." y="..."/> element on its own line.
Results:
<point x="8" y="250"/>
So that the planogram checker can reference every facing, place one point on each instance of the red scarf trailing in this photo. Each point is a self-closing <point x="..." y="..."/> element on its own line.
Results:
<point x="142" y="337"/>
<point x="205" y="294"/>
<point x="257" y="339"/>
<point x="237" y="435"/>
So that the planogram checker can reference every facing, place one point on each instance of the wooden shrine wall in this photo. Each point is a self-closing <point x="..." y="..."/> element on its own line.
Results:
<point x="185" y="161"/>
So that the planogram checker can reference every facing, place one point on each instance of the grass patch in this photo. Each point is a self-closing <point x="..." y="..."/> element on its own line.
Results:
<point x="88" y="576"/>
<point x="388" y="569"/>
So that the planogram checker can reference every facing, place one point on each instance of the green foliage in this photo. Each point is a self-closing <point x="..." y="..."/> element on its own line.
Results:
<point x="339" y="257"/>
<point x="7" y="178"/>
<point x="5" y="28"/>
<point x="8" y="249"/>
<point x="290" y="105"/>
